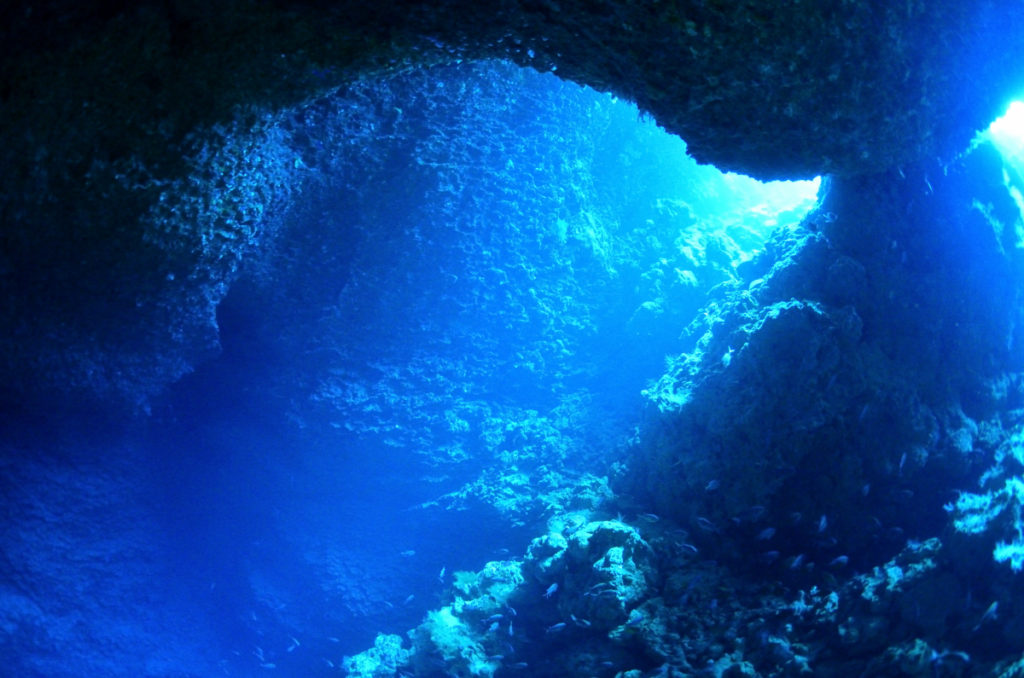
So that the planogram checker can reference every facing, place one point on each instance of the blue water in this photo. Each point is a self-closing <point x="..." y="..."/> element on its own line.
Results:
<point x="438" y="352"/>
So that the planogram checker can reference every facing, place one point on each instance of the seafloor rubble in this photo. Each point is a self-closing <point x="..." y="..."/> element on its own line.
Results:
<point x="606" y="599"/>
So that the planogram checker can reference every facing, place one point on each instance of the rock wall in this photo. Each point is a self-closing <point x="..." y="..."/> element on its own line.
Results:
<point x="802" y="464"/>
<point x="88" y="587"/>
<point x="859" y="373"/>
<point x="142" y="164"/>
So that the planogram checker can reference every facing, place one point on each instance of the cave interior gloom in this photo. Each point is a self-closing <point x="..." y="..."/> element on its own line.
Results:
<point x="442" y="338"/>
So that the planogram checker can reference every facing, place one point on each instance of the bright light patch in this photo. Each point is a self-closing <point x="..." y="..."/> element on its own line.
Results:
<point x="746" y="209"/>
<point x="1007" y="132"/>
<point x="1007" y="135"/>
<point x="777" y="196"/>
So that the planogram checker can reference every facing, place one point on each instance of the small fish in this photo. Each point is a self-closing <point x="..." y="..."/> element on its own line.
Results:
<point x="903" y="460"/>
<point x="494" y="618"/>
<point x="769" y="557"/>
<point x="706" y="525"/>
<point x="495" y="657"/>
<point x="766" y="534"/>
<point x="551" y="590"/>
<point x="556" y="628"/>
<point x="712" y="486"/>
<point x="268" y="665"/>
<point x="649" y="517"/>
<point x="797" y="561"/>
<point x="408" y="554"/>
<point x="511" y="611"/>
<point x="991" y="614"/>
<point x="688" y="547"/>
<point x="332" y="639"/>
<point x="493" y="628"/>
<point x="579" y="622"/>
<point x="694" y="580"/>
<point x="511" y="631"/>
<point x="294" y="644"/>
<point x="823" y="523"/>
<point x="409" y="599"/>
<point x="865" y="490"/>
<point x="894" y="533"/>
<point x="839" y="561"/>
<point x="440" y="577"/>
<point x="519" y="665"/>
<point x="939" y="657"/>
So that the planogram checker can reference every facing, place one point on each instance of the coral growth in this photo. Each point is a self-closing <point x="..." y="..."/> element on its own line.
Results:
<point x="998" y="512"/>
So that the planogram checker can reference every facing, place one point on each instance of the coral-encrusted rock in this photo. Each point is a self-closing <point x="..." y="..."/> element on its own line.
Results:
<point x="446" y="640"/>
<point x="468" y="637"/>
<point x="545" y="558"/>
<point x="598" y="574"/>
<point x="383" y="659"/>
<point x="917" y="659"/>
<point x="609" y="570"/>
<point x="907" y="569"/>
<point x="1010" y="669"/>
<point x="652" y="629"/>
<point x="768" y="371"/>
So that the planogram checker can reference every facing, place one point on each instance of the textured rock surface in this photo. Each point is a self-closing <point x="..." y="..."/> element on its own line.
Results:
<point x="142" y="162"/>
<point x="481" y="288"/>
<point x="87" y="582"/>
<point x="817" y="414"/>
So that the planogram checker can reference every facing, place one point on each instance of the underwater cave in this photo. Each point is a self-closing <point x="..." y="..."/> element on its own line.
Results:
<point x="556" y="339"/>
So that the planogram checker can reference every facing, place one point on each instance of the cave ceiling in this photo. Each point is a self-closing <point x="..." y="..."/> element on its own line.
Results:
<point x="108" y="107"/>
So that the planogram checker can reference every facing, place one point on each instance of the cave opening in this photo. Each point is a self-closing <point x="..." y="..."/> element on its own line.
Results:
<point x="504" y="379"/>
<point x="443" y="344"/>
